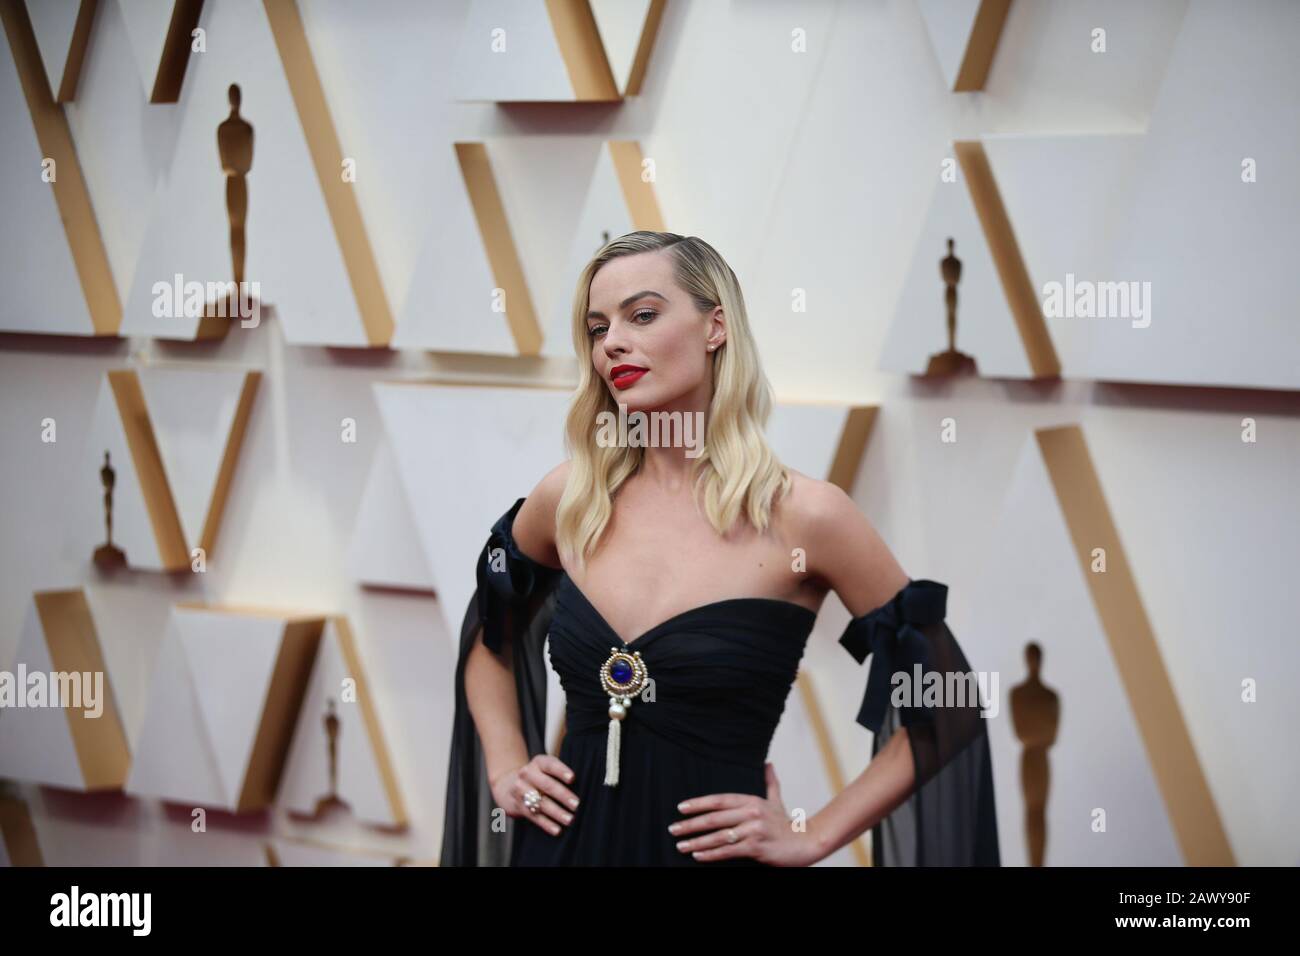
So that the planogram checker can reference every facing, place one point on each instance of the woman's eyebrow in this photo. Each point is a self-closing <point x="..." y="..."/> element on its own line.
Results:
<point x="593" y="314"/>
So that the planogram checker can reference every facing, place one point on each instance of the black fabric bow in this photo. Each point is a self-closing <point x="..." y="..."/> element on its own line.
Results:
<point x="891" y="634"/>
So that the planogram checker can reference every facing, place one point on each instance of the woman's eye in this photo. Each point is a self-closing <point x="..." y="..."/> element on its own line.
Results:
<point x="647" y="314"/>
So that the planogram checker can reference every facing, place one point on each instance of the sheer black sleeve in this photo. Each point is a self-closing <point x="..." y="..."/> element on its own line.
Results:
<point x="920" y="679"/>
<point x="510" y="612"/>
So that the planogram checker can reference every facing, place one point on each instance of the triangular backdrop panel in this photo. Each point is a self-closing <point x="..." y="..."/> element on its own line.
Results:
<point x="232" y="660"/>
<point x="217" y="732"/>
<point x="363" y="765"/>
<point x="949" y="24"/>
<point x="198" y="419"/>
<point x="1086" y="182"/>
<point x="383" y="551"/>
<point x="451" y="303"/>
<point x="174" y="757"/>
<point x="986" y="328"/>
<point x="512" y="436"/>
<point x="627" y="32"/>
<point x="55" y="24"/>
<point x="1033" y="591"/>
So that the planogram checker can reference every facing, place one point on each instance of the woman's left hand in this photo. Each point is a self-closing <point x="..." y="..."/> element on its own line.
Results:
<point x="761" y="828"/>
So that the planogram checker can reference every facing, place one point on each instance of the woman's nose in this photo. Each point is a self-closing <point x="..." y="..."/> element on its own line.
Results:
<point x="613" y="340"/>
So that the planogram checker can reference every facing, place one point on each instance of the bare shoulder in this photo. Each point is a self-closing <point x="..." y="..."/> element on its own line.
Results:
<point x="814" y="507"/>
<point x="534" y="525"/>
<point x="843" y="547"/>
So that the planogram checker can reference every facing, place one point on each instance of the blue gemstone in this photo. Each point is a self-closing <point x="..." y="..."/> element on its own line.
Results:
<point x="621" y="671"/>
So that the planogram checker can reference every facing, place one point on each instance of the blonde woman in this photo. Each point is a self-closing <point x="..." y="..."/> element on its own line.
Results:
<point x="675" y="583"/>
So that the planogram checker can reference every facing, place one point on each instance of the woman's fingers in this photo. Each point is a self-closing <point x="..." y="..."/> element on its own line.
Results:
<point x="710" y="830"/>
<point x="550" y="771"/>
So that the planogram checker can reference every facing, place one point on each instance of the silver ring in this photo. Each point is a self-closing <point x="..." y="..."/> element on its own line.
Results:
<point x="731" y="836"/>
<point x="532" y="800"/>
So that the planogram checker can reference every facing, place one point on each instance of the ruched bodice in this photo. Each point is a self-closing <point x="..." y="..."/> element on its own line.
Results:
<point x="721" y="672"/>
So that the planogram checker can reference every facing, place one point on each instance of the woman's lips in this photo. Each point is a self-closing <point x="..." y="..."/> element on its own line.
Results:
<point x="626" y="378"/>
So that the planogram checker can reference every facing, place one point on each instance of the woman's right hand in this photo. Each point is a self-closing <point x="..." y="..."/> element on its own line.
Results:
<point x="547" y="775"/>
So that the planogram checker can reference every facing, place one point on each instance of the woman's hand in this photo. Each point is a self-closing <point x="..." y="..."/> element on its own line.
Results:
<point x="547" y="775"/>
<point x="762" y="828"/>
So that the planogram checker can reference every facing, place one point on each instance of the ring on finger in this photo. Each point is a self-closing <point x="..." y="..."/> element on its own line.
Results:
<point x="532" y="800"/>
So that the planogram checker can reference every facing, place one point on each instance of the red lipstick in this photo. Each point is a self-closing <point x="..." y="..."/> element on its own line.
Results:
<point x="625" y="376"/>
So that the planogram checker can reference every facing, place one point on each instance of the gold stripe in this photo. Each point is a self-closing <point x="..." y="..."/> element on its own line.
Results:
<point x="327" y="157"/>
<point x="499" y="244"/>
<point x="76" y="52"/>
<point x="103" y="753"/>
<point x="1001" y="239"/>
<point x="583" y="53"/>
<point x="229" y="458"/>
<point x="638" y="195"/>
<point x="858" y="424"/>
<point x="299" y="644"/>
<point x="387" y="774"/>
<point x="1188" y="800"/>
<point x="69" y="186"/>
<point x="981" y="46"/>
<point x="176" y="51"/>
<point x="649" y="32"/>
<point x="163" y="518"/>
<point x="19" y="834"/>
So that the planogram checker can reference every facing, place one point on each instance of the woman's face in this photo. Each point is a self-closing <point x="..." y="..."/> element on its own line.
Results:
<point x="649" y="343"/>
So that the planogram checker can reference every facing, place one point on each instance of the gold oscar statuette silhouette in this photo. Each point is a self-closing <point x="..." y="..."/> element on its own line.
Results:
<point x="951" y="361"/>
<point x="1035" y="717"/>
<point x="107" y="556"/>
<point x="332" y="727"/>
<point x="235" y="146"/>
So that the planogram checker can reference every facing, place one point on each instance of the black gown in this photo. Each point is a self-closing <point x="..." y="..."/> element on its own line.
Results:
<point x="721" y="674"/>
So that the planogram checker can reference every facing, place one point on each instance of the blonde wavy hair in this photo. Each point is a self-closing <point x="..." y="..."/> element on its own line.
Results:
<point x="736" y="472"/>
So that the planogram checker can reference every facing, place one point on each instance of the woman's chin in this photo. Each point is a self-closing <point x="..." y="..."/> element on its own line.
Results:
<point x="634" y="400"/>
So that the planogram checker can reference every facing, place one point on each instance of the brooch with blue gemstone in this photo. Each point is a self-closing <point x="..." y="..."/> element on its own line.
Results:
<point x="622" y="676"/>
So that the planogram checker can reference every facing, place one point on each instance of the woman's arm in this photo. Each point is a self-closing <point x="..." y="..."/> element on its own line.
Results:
<point x="490" y="688"/>
<point x="845" y="550"/>
<point x="490" y="693"/>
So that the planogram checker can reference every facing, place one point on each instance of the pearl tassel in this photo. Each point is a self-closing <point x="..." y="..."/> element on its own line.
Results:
<point x="617" y="710"/>
<point x="622" y="676"/>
